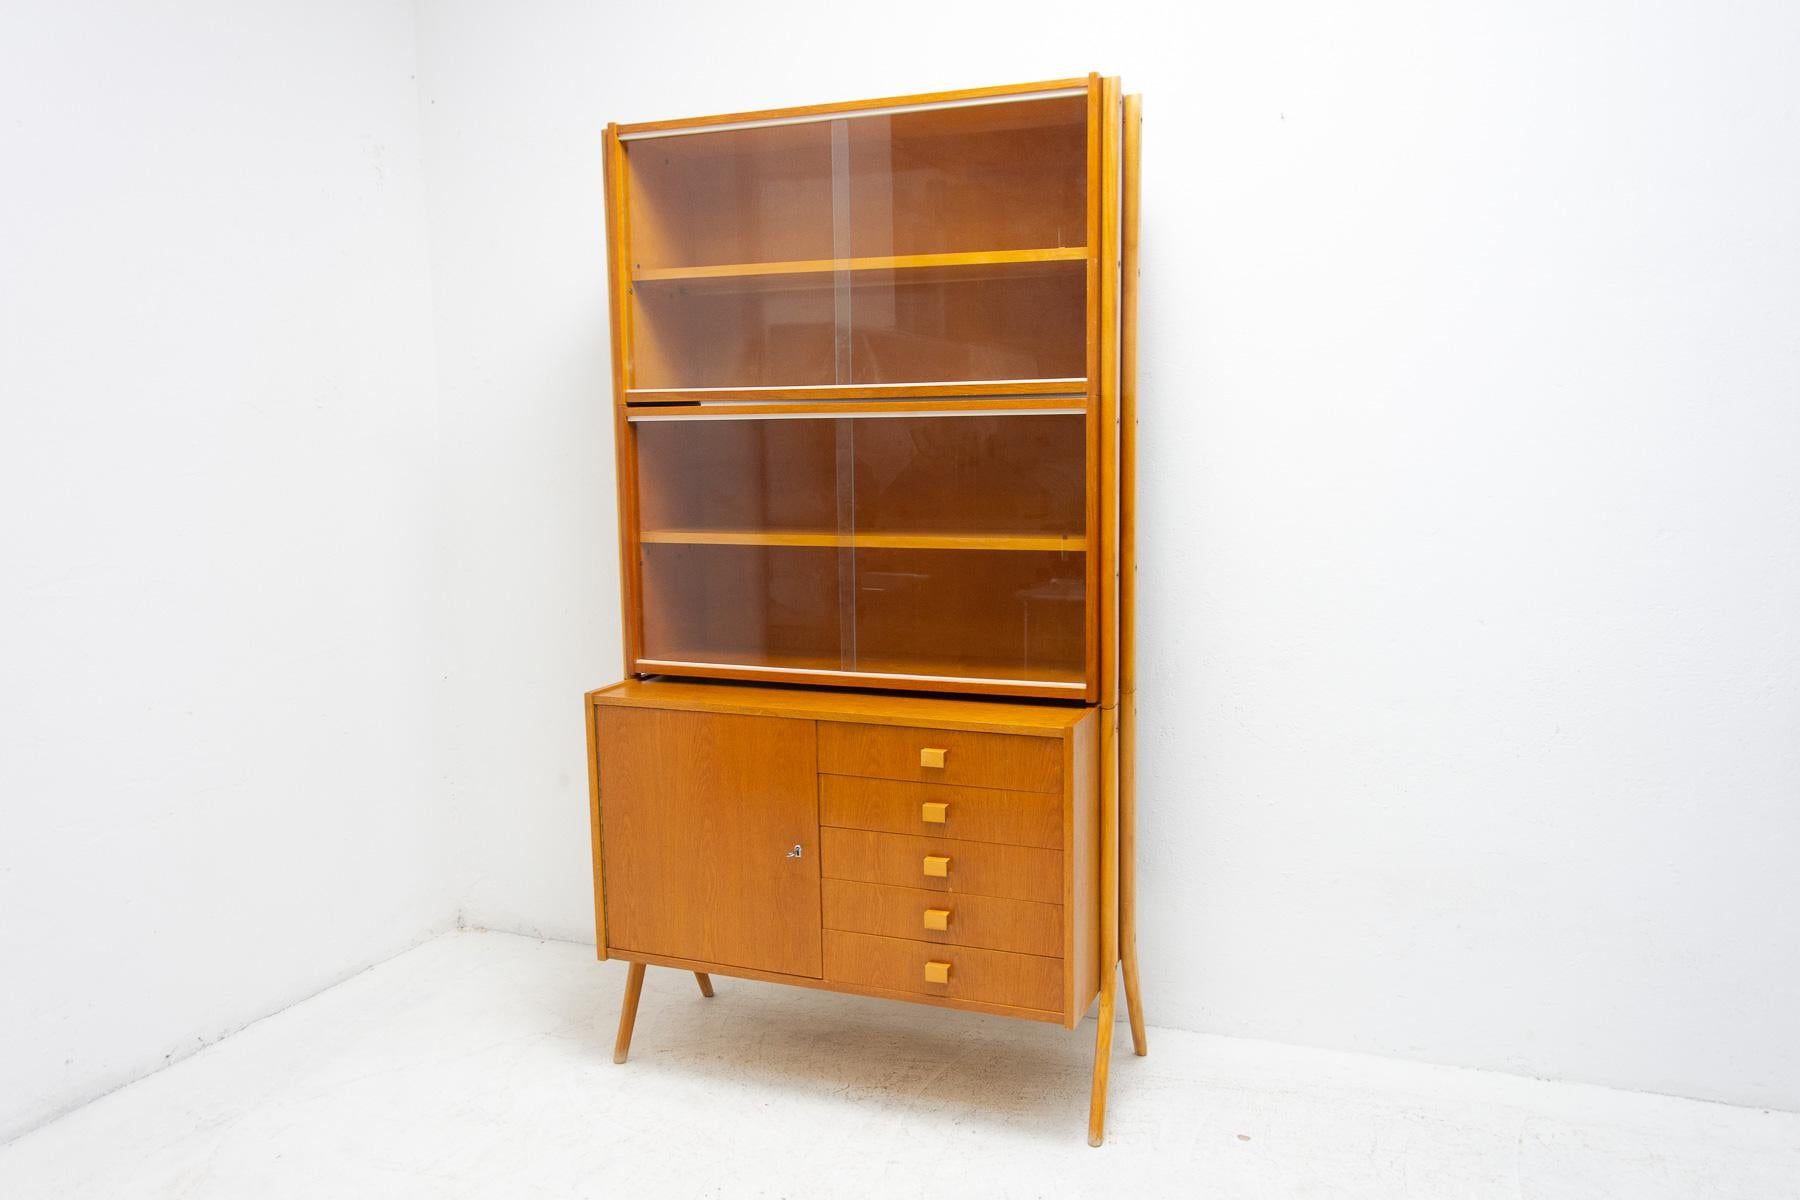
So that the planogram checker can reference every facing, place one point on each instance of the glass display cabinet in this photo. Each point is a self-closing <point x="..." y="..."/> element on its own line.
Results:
<point x="856" y="365"/>
<point x="874" y="407"/>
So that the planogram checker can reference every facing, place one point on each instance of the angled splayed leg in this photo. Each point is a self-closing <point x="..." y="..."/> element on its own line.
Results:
<point x="634" y="987"/>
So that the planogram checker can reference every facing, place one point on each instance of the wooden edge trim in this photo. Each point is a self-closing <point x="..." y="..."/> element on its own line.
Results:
<point x="828" y="985"/>
<point x="1070" y="391"/>
<point x="853" y="679"/>
<point x="849" y="106"/>
<point x="624" y="458"/>
<point x="591" y="711"/>
<point x="751" y="707"/>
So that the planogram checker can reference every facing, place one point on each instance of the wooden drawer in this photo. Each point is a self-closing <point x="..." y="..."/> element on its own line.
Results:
<point x="991" y="976"/>
<point x="985" y="922"/>
<point x="937" y="810"/>
<point x="991" y="760"/>
<point x="977" y="868"/>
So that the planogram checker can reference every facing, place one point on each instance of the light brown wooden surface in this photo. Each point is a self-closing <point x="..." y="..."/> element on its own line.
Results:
<point x="624" y="455"/>
<point x="1081" y="900"/>
<point x="1048" y="805"/>
<point x="1054" y="393"/>
<point x="1021" y="980"/>
<point x="593" y="756"/>
<point x="1134" y="1001"/>
<point x="973" y="759"/>
<point x="924" y="712"/>
<point x="1040" y="542"/>
<point x="975" y="868"/>
<point x="634" y="988"/>
<point x="932" y="678"/>
<point x="657" y="410"/>
<point x="1103" y="1032"/>
<point x="813" y="110"/>
<point x="985" y="922"/>
<point x="820" y="983"/>
<point x="889" y="262"/>
<point x="1095" y="564"/>
<point x="699" y="814"/>
<point x="970" y="814"/>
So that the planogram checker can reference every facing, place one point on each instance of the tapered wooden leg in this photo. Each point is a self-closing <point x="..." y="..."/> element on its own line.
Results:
<point x="1102" y="1061"/>
<point x="634" y="987"/>
<point x="705" y="982"/>
<point x="1134" y="1001"/>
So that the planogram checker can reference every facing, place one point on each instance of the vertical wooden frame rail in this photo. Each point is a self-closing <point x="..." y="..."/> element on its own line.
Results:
<point x="1128" y="371"/>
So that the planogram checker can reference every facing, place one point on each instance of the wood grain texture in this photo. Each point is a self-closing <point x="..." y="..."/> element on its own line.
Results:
<point x="974" y="759"/>
<point x="880" y="262"/>
<point x="820" y="983"/>
<point x="1038" y="542"/>
<point x="634" y="989"/>
<point x="923" y="712"/>
<point x="975" y="868"/>
<point x="1128" y="423"/>
<point x="911" y="676"/>
<point x="1082" y="900"/>
<point x="1106" y="534"/>
<point x="1094" y="658"/>
<point x="698" y="813"/>
<point x="848" y="106"/>
<point x="593" y="755"/>
<point x="738" y="409"/>
<point x="624" y="459"/>
<point x="1103" y="1032"/>
<point x="985" y="922"/>
<point x="898" y="964"/>
<point x="1065" y="392"/>
<point x="970" y="814"/>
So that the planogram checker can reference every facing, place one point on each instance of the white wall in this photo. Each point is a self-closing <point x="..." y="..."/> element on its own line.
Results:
<point x="217" y="585"/>
<point x="1471" y="563"/>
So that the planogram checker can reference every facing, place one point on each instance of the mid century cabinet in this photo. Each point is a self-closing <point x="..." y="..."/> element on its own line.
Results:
<point x="875" y="405"/>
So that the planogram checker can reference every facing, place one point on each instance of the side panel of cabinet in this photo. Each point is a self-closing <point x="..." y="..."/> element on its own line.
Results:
<point x="699" y="817"/>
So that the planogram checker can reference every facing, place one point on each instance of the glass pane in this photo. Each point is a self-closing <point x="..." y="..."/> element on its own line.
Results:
<point x="945" y="245"/>
<point x="986" y="177"/>
<point x="941" y="546"/>
<point x="742" y="196"/>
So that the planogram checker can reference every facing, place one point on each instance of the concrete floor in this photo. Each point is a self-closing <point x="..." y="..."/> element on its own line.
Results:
<point x="480" y="1065"/>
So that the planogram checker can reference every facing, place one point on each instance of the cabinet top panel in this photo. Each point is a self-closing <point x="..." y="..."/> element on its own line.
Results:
<point x="817" y="112"/>
<point x="1041" y="720"/>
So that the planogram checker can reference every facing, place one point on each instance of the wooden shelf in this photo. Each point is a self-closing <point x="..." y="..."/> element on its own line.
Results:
<point x="826" y="266"/>
<point x="878" y="671"/>
<point x="883" y="541"/>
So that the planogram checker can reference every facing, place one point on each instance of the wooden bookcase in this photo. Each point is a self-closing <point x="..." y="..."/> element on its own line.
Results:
<point x="874" y="404"/>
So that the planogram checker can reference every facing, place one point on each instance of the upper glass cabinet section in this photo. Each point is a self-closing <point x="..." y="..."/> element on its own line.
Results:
<point x="941" y="244"/>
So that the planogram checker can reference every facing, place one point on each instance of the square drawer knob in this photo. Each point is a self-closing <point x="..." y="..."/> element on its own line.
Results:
<point x="929" y="757"/>
<point x="938" y="865"/>
<point x="937" y="918"/>
<point x="937" y="972"/>
<point x="934" y="813"/>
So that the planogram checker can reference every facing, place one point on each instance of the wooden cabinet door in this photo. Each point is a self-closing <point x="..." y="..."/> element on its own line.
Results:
<point x="700" y="818"/>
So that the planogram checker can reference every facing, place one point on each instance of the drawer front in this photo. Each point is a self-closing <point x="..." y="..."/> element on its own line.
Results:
<point x="985" y="922"/>
<point x="939" y="864"/>
<point x="953" y="756"/>
<point x="992" y="976"/>
<point x="938" y="810"/>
